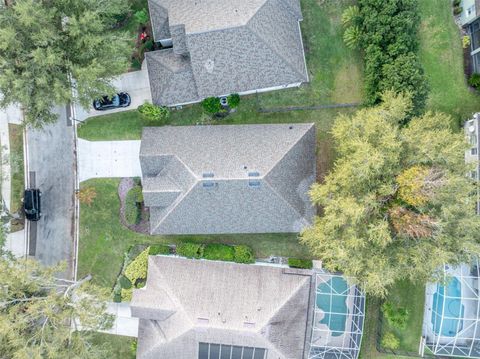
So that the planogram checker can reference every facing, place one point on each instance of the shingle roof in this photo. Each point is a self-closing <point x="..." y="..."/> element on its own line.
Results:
<point x="233" y="46"/>
<point x="190" y="301"/>
<point x="228" y="179"/>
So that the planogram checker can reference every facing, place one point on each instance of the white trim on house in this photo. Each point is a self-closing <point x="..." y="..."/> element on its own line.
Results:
<point x="303" y="50"/>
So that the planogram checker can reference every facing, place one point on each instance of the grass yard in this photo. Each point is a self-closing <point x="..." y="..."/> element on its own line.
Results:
<point x="17" y="185"/>
<point x="121" y="346"/>
<point x="104" y="240"/>
<point x="441" y="54"/>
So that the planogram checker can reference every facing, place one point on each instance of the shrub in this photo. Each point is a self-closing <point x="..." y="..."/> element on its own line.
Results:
<point x="117" y="295"/>
<point x="219" y="252"/>
<point x="138" y="268"/>
<point x="457" y="10"/>
<point x="153" y="112"/>
<point x="465" y="41"/>
<point x="390" y="341"/>
<point x="133" y="202"/>
<point x="211" y="105"/>
<point x="243" y="254"/>
<point x="300" y="263"/>
<point x="141" y="17"/>
<point x="474" y="80"/>
<point x="133" y="347"/>
<point x="125" y="282"/>
<point x="126" y="295"/>
<point x="190" y="250"/>
<point x="159" y="249"/>
<point x="456" y="3"/>
<point x="233" y="100"/>
<point x="149" y="45"/>
<point x="136" y="64"/>
<point x="396" y="316"/>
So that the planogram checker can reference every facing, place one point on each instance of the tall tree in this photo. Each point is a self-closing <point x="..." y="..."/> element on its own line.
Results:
<point x="398" y="203"/>
<point x="42" y="316"/>
<point x="48" y="47"/>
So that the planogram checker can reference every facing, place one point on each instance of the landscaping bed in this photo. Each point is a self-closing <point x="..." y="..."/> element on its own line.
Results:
<point x="133" y="214"/>
<point x="104" y="240"/>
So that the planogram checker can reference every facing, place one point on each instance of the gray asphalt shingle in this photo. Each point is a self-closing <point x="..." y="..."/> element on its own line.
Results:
<point x="231" y="179"/>
<point x="233" y="47"/>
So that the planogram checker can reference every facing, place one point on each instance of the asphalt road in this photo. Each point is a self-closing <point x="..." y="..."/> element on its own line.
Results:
<point x="51" y="163"/>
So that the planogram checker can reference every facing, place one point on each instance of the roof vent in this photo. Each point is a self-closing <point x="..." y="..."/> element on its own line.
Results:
<point x="290" y="127"/>
<point x="248" y="325"/>
<point x="253" y="174"/>
<point x="254" y="184"/>
<point x="209" y="185"/>
<point x="208" y="175"/>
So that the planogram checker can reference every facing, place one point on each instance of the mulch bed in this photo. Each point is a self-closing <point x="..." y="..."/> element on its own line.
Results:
<point x="143" y="227"/>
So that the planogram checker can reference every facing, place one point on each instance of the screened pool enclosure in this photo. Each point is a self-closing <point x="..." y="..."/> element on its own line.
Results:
<point x="337" y="319"/>
<point x="451" y="324"/>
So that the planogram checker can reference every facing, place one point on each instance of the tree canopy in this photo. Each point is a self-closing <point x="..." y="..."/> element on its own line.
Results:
<point x="42" y="316"/>
<point x="397" y="204"/>
<point x="49" y="46"/>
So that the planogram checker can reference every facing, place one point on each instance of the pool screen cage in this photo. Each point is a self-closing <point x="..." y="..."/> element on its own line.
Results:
<point x="339" y="312"/>
<point x="451" y="324"/>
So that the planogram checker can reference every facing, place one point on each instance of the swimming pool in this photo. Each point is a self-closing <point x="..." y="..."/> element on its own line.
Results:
<point x="449" y="307"/>
<point x="332" y="300"/>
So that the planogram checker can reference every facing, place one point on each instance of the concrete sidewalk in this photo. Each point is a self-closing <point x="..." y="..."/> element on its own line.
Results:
<point x="136" y="84"/>
<point x="108" y="159"/>
<point x="124" y="324"/>
<point x="16" y="243"/>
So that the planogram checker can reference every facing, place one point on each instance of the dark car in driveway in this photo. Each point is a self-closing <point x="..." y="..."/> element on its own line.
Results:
<point x="31" y="204"/>
<point x="121" y="99"/>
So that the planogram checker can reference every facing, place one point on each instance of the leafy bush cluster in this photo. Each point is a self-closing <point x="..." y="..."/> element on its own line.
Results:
<point x="390" y="341"/>
<point x="396" y="316"/>
<point x="387" y="32"/>
<point x="233" y="100"/>
<point x="216" y="251"/>
<point x="141" y="17"/>
<point x="474" y="80"/>
<point x="300" y="263"/>
<point x="133" y="208"/>
<point x="159" y="249"/>
<point x="151" y="112"/>
<point x="211" y="105"/>
<point x="135" y="275"/>
<point x="457" y="9"/>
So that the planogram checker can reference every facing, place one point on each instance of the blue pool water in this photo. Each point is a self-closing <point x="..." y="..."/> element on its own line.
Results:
<point x="451" y="309"/>
<point x="332" y="300"/>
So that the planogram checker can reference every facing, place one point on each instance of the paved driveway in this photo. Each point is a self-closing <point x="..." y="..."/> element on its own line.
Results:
<point x="124" y="323"/>
<point x="106" y="159"/>
<point x="135" y="83"/>
<point x="51" y="163"/>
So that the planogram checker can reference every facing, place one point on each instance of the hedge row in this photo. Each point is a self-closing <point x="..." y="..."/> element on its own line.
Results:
<point x="387" y="32"/>
<point x="217" y="251"/>
<point x="133" y="201"/>
<point x="300" y="263"/>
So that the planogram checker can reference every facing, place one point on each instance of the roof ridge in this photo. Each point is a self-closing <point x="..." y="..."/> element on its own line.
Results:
<point x="308" y="279"/>
<point x="268" y="45"/>
<point x="181" y="197"/>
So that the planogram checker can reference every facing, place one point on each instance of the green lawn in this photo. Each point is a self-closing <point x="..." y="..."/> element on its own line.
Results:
<point x="104" y="240"/>
<point x="120" y="346"/>
<point x="441" y="54"/>
<point x="17" y="185"/>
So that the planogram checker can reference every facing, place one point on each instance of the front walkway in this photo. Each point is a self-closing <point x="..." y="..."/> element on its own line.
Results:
<point x="136" y="84"/>
<point x="107" y="159"/>
<point x="124" y="324"/>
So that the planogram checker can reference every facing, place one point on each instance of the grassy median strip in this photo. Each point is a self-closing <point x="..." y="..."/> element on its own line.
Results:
<point x="17" y="171"/>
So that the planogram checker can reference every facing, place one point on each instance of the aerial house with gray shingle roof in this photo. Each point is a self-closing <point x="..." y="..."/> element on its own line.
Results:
<point x="228" y="179"/>
<point x="219" y="47"/>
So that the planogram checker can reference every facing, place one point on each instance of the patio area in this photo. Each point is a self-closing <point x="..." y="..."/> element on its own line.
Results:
<point x="451" y="317"/>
